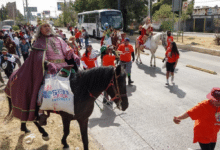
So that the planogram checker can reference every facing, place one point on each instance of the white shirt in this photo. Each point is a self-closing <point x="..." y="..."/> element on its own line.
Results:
<point x="26" y="38"/>
<point x="16" y="40"/>
<point x="10" y="34"/>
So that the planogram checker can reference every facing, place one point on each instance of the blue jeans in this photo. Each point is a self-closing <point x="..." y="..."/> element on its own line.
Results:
<point x="131" y="32"/>
<point x="17" y="50"/>
<point x="86" y="42"/>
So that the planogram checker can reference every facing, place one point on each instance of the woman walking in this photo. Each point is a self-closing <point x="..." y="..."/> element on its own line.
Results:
<point x="207" y="120"/>
<point x="172" y="55"/>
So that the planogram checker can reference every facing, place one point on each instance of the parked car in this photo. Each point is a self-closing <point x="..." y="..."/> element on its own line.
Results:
<point x="6" y="28"/>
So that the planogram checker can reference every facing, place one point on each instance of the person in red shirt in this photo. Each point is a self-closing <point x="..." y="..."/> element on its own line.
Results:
<point x="127" y="51"/>
<point x="88" y="62"/>
<point x="77" y="36"/>
<point x="108" y="60"/>
<point x="207" y="120"/>
<point x="172" y="55"/>
<point x="169" y="39"/>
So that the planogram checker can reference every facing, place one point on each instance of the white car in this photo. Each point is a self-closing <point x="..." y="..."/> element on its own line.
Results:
<point x="6" y="28"/>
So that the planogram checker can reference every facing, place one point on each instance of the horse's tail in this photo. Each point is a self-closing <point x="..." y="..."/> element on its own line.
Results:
<point x="9" y="115"/>
<point x="136" y="50"/>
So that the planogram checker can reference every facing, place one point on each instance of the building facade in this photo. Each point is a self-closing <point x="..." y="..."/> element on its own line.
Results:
<point x="11" y="8"/>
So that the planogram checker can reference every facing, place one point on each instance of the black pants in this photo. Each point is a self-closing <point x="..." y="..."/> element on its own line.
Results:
<point x="71" y="33"/>
<point x="8" y="72"/>
<point x="209" y="146"/>
<point x="78" y="41"/>
<point x="25" y="56"/>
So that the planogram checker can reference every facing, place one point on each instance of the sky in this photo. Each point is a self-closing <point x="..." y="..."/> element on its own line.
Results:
<point x="52" y="5"/>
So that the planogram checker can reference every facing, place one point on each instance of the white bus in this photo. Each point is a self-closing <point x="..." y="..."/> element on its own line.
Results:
<point x="8" y="22"/>
<point x="93" y="21"/>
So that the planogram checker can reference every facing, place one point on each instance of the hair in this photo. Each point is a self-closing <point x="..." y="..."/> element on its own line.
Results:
<point x="38" y="32"/>
<point x="174" y="49"/>
<point x="87" y="51"/>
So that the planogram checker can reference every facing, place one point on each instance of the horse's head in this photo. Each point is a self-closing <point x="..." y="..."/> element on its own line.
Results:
<point x="117" y="89"/>
<point x="163" y="38"/>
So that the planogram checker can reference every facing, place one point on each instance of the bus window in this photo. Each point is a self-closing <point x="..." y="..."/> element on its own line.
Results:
<point x="113" y="18"/>
<point x="86" y="18"/>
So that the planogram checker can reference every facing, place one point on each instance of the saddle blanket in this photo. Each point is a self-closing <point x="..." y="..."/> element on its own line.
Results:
<point x="57" y="95"/>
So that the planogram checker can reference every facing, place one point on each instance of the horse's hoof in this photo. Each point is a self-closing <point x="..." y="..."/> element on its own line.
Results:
<point x="66" y="147"/>
<point x="46" y="138"/>
<point x="26" y="131"/>
<point x="151" y="65"/>
<point x="154" y="65"/>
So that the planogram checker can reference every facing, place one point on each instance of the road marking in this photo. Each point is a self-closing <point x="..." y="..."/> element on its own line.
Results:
<point x="201" y="69"/>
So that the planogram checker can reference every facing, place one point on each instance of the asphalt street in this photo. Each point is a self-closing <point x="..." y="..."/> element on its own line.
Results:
<point x="147" y="124"/>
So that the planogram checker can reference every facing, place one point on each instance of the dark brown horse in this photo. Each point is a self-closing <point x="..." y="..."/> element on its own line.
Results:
<point x="87" y="86"/>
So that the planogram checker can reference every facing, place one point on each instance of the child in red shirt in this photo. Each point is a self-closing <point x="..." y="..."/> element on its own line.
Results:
<point x="169" y="38"/>
<point x="207" y="120"/>
<point x="109" y="59"/>
<point x="88" y="62"/>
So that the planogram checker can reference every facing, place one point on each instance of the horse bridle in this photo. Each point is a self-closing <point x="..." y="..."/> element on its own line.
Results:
<point x="116" y="90"/>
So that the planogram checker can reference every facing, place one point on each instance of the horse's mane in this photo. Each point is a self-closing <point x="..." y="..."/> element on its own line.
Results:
<point x="156" y="37"/>
<point x="92" y="80"/>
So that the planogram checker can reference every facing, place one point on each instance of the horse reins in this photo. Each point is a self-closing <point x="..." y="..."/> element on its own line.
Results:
<point x="116" y="90"/>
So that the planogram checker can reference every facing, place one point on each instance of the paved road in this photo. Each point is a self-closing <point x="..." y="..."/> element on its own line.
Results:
<point x="147" y="123"/>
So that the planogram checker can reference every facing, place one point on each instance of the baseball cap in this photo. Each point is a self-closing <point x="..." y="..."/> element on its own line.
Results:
<point x="214" y="94"/>
<point x="127" y="39"/>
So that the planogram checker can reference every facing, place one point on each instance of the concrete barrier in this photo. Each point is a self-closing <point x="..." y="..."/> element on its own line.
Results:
<point x="199" y="49"/>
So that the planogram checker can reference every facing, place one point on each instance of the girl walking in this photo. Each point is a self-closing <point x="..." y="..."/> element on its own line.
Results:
<point x="172" y="55"/>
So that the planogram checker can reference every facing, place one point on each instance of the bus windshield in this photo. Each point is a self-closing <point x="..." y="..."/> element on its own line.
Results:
<point x="113" y="18"/>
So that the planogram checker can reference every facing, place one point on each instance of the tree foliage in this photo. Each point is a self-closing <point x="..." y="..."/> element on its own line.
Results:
<point x="3" y="13"/>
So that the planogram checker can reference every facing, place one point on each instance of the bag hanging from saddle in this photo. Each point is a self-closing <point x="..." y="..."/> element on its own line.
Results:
<point x="57" y="95"/>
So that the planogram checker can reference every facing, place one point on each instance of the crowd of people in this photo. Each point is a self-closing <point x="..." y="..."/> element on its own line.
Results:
<point x="56" y="51"/>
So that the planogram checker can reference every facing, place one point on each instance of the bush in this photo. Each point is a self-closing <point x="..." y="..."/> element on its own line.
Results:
<point x="15" y="28"/>
<point x="217" y="39"/>
<point x="167" y="25"/>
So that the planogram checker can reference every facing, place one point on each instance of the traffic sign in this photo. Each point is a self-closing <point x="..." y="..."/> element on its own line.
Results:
<point x="176" y="5"/>
<point x="31" y="9"/>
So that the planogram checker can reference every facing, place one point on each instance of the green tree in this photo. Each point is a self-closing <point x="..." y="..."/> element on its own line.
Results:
<point x="165" y="15"/>
<point x="3" y="13"/>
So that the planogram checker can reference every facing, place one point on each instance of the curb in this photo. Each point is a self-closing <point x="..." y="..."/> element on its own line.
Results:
<point x="201" y="69"/>
<point x="199" y="49"/>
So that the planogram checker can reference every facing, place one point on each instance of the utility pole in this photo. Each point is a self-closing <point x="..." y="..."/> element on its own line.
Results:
<point x="119" y="4"/>
<point x="27" y="10"/>
<point x="150" y="9"/>
<point x="64" y="13"/>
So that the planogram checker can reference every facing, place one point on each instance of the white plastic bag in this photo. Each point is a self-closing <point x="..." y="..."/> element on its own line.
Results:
<point x="108" y="41"/>
<point x="94" y="54"/>
<point x="164" y="65"/>
<point x="57" y="95"/>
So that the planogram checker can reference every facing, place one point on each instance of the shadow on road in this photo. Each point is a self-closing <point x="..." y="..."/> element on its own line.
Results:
<point x="175" y="90"/>
<point x="130" y="89"/>
<point x="106" y="120"/>
<point x="152" y="71"/>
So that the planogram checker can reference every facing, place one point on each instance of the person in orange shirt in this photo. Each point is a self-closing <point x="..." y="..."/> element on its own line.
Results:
<point x="125" y="57"/>
<point x="207" y="120"/>
<point x="172" y="55"/>
<point x="108" y="60"/>
<point x="77" y="36"/>
<point x="169" y="38"/>
<point x="88" y="62"/>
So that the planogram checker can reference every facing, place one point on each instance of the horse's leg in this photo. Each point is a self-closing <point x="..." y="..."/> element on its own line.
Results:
<point x="154" y="60"/>
<point x="24" y="128"/>
<point x="66" y="131"/>
<point x="84" y="132"/>
<point x="45" y="136"/>
<point x="152" y="55"/>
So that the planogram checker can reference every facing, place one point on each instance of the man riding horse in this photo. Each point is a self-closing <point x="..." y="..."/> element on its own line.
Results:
<point x="25" y="85"/>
